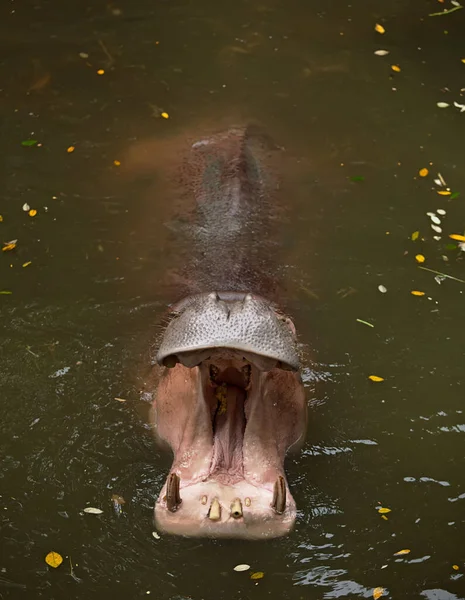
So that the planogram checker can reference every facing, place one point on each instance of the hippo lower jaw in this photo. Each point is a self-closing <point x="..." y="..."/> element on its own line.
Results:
<point x="229" y="425"/>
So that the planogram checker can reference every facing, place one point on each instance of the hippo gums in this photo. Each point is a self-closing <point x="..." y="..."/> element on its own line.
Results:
<point x="230" y="401"/>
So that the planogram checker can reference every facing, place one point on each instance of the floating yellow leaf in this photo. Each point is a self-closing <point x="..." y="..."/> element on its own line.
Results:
<point x="415" y="235"/>
<point x="456" y="236"/>
<point x="455" y="567"/>
<point x="384" y="517"/>
<point x="257" y="575"/>
<point x="100" y="72"/>
<point x="26" y="264"/>
<point x="417" y="293"/>
<point x="9" y="246"/>
<point x="70" y="149"/>
<point x="375" y="378"/>
<point x="423" y="172"/>
<point x="420" y="258"/>
<point x="379" y="28"/>
<point x="383" y="511"/>
<point x="395" y="68"/>
<point x="401" y="552"/>
<point x="444" y="192"/>
<point x="116" y="163"/>
<point x="1" y="218"/>
<point x="463" y="60"/>
<point x="165" y="115"/>
<point x="378" y="592"/>
<point x="32" y="212"/>
<point x="53" y="559"/>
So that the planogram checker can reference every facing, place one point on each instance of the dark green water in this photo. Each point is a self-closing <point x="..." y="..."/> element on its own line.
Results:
<point x="76" y="330"/>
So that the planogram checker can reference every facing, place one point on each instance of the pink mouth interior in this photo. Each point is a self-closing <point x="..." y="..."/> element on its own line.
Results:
<point x="234" y="424"/>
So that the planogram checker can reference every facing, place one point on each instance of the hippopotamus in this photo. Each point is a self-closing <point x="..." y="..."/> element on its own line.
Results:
<point x="230" y="402"/>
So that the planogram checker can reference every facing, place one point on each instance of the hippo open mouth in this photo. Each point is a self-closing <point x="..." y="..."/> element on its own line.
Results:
<point x="230" y="405"/>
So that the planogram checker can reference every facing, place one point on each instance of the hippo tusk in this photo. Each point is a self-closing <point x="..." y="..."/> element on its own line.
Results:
<point x="236" y="508"/>
<point x="279" y="496"/>
<point x="215" y="510"/>
<point x="173" y="499"/>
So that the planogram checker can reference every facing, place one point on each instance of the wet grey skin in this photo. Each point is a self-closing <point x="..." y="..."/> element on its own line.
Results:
<point x="230" y="402"/>
<point x="242" y="322"/>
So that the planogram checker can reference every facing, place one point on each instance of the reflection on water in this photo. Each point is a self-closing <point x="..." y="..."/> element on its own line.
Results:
<point x="78" y="328"/>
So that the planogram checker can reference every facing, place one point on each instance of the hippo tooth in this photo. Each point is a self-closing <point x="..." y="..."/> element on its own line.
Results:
<point x="236" y="508"/>
<point x="215" y="510"/>
<point x="173" y="498"/>
<point x="279" y="496"/>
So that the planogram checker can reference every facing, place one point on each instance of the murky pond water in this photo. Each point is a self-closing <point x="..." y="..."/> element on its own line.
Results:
<point x="78" y="325"/>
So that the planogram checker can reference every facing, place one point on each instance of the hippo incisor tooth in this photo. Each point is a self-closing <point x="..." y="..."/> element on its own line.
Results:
<point x="215" y="510"/>
<point x="203" y="499"/>
<point x="173" y="498"/>
<point x="278" y="503"/>
<point x="236" y="508"/>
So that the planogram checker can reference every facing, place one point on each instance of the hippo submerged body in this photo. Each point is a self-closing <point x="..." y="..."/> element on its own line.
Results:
<point x="230" y="401"/>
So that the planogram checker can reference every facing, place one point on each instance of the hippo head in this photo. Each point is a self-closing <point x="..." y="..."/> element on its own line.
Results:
<point x="230" y="404"/>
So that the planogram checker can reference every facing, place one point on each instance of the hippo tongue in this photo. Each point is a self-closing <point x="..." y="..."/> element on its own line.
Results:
<point x="227" y="465"/>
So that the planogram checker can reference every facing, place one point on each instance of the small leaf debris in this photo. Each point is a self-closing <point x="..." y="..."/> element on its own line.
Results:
<point x="242" y="567"/>
<point x="402" y="552"/>
<point x="379" y="28"/>
<point x="93" y="511"/>
<point x="257" y="575"/>
<point x="378" y="592"/>
<point x="53" y="559"/>
<point x="375" y="378"/>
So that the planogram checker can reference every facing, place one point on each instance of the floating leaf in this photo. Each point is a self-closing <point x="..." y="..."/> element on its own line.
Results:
<point x="70" y="149"/>
<point x="442" y="104"/>
<point x="379" y="28"/>
<point x="116" y="163"/>
<point x="5" y="293"/>
<point x="441" y="211"/>
<point x="54" y="559"/>
<point x="415" y="236"/>
<point x="436" y="228"/>
<point x="32" y="212"/>
<point x="28" y="143"/>
<point x="381" y="52"/>
<point x="454" y="195"/>
<point x="156" y="535"/>
<point x="395" y="68"/>
<point x="383" y="511"/>
<point x="9" y="246"/>
<point x="378" y="592"/>
<point x="402" y="552"/>
<point x="417" y="293"/>
<point x="435" y="219"/>
<point x="423" y="172"/>
<point x="420" y="258"/>
<point x="242" y="567"/>
<point x="26" y="207"/>
<point x="120" y="399"/>
<point x="444" y="192"/>
<point x="165" y="115"/>
<point x="257" y="575"/>
<point x="93" y="511"/>
<point x="384" y="517"/>
<point x="375" y="378"/>
<point x="364" y="322"/>
<point x="455" y="567"/>
<point x="357" y="178"/>
<point x="458" y="237"/>
<point x="382" y="289"/>
<point x="26" y="264"/>
<point x="100" y="72"/>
